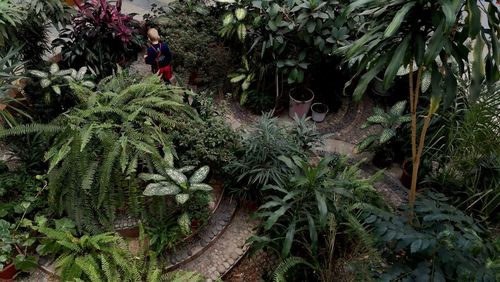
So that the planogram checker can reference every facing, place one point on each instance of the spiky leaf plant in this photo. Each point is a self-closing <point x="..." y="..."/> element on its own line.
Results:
<point x="115" y="133"/>
<point x="389" y="121"/>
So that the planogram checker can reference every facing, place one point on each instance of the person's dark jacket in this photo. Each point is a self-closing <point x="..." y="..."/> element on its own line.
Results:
<point x="152" y="54"/>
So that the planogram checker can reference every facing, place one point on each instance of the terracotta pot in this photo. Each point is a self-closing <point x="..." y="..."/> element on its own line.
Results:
<point x="8" y="273"/>
<point x="132" y="232"/>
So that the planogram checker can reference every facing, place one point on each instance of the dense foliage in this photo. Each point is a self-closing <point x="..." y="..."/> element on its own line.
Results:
<point x="465" y="149"/>
<point x="307" y="216"/>
<point x="442" y="245"/>
<point x="209" y="140"/>
<point x="49" y="92"/>
<point x="114" y="133"/>
<point x="283" y="40"/>
<point x="262" y="144"/>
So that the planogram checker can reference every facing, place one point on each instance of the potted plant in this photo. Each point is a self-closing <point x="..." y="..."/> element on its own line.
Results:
<point x="319" y="111"/>
<point x="378" y="87"/>
<point x="11" y="242"/>
<point x="380" y="143"/>
<point x="300" y="102"/>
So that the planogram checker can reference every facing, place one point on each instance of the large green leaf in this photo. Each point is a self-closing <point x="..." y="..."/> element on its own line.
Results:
<point x="181" y="198"/>
<point x="396" y="62"/>
<point x="201" y="187"/>
<point x="367" y="78"/>
<point x="377" y="119"/>
<point x="185" y="169"/>
<point x="365" y="143"/>
<point x="393" y="27"/>
<point x="199" y="175"/>
<point x="357" y="4"/>
<point x="313" y="234"/>
<point x="450" y="9"/>
<point x="152" y="177"/>
<point x="478" y="69"/>
<point x="161" y="189"/>
<point x="473" y="19"/>
<point x="435" y="44"/>
<point x="322" y="208"/>
<point x="287" y="244"/>
<point x="39" y="74"/>
<point x="386" y="135"/>
<point x="176" y="176"/>
<point x="275" y="216"/>
<point x="398" y="108"/>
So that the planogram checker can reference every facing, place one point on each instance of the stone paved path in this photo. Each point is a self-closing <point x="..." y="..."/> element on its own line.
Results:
<point x="219" y="258"/>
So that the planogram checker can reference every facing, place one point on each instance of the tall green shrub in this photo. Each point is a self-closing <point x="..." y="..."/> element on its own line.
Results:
<point x="423" y="39"/>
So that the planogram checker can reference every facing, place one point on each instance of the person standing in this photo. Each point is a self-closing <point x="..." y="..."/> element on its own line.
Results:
<point x="158" y="56"/>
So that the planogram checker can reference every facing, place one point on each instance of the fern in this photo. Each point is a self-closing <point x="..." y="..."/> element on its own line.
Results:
<point x="115" y="133"/>
<point x="102" y="257"/>
<point x="285" y="266"/>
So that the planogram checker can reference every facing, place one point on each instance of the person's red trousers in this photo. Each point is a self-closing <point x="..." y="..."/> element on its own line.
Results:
<point x="165" y="73"/>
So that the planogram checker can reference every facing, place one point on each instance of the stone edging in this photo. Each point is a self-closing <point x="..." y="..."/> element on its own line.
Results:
<point x="191" y="249"/>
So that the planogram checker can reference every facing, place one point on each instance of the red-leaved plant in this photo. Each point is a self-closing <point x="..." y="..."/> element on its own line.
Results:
<point x="100" y="37"/>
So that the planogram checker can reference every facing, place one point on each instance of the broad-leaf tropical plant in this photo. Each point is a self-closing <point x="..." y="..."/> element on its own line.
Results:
<point x="390" y="121"/>
<point x="422" y="38"/>
<point x="174" y="182"/>
<point x="283" y="38"/>
<point x="56" y="79"/>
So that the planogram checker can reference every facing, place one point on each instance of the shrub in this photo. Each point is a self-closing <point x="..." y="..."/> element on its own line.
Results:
<point x="18" y="191"/>
<point x="25" y="24"/>
<point x="257" y="162"/>
<point x="465" y="150"/>
<point x="49" y="93"/>
<point x="100" y="37"/>
<point x="443" y="244"/>
<point x="99" y="146"/>
<point x="88" y="258"/>
<point x="11" y="70"/>
<point x="311" y="221"/>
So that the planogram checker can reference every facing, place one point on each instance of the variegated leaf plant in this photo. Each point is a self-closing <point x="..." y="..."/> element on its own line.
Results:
<point x="174" y="182"/>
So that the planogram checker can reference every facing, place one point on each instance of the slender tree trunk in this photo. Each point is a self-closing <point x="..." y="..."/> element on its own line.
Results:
<point x="416" y="153"/>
